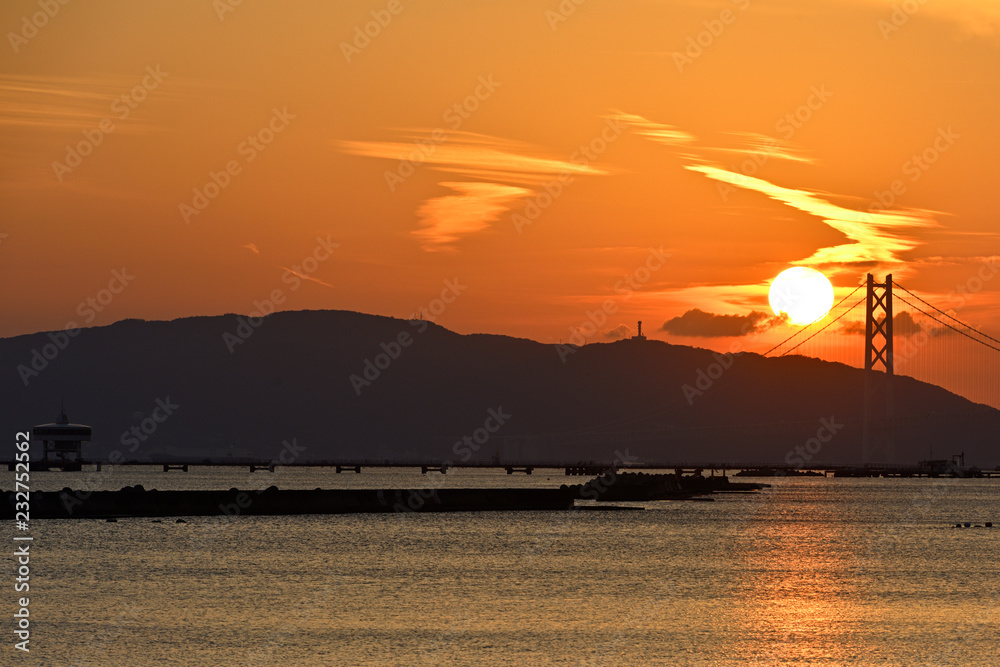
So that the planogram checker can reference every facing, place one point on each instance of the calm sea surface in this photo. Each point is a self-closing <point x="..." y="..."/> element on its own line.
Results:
<point x="811" y="571"/>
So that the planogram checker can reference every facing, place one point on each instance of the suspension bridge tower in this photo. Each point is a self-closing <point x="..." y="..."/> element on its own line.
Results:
<point x="877" y="444"/>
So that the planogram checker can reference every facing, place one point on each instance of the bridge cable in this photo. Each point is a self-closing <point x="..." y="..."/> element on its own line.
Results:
<point x="833" y="321"/>
<point x="652" y="411"/>
<point x="945" y="314"/>
<point x="645" y="414"/>
<point x="967" y="335"/>
<point x="835" y="306"/>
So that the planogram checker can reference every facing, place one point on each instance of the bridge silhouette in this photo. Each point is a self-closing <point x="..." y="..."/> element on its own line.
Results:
<point x="932" y="346"/>
<point x="880" y="356"/>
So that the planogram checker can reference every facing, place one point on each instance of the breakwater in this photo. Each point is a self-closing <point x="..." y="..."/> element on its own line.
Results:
<point x="639" y="486"/>
<point x="136" y="501"/>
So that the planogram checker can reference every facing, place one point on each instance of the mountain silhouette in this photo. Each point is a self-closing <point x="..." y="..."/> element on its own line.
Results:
<point x="339" y="384"/>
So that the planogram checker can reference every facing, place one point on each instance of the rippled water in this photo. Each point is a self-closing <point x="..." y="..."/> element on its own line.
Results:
<point x="812" y="571"/>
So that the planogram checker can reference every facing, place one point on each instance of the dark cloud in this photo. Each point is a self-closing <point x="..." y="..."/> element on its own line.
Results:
<point x="860" y="264"/>
<point x="696" y="322"/>
<point x="619" y="332"/>
<point x="853" y="327"/>
<point x="903" y="324"/>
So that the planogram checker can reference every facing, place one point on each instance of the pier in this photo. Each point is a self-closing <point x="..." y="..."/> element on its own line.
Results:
<point x="942" y="468"/>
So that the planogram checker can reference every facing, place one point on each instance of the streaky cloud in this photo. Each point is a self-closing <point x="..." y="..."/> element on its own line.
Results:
<point x="876" y="235"/>
<point x="501" y="168"/>
<point x="305" y="276"/>
<point x="765" y="146"/>
<point x="658" y="132"/>
<point x="473" y="153"/>
<point x="74" y="103"/>
<point x="445" y="219"/>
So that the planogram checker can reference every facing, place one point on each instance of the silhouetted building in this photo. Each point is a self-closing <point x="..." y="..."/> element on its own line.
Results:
<point x="638" y="335"/>
<point x="62" y="443"/>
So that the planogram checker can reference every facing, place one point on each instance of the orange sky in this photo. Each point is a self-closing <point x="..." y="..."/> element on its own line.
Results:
<point x="552" y="153"/>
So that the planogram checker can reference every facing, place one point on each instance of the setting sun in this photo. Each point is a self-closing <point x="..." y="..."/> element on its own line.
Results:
<point x="804" y="294"/>
<point x="503" y="263"/>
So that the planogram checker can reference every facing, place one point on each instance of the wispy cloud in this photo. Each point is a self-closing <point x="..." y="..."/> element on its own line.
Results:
<point x="55" y="102"/>
<point x="501" y="168"/>
<point x="305" y="276"/>
<point x="878" y="238"/>
<point x="251" y="247"/>
<point x="658" y="132"/>
<point x="73" y="103"/>
<point x="764" y="147"/>
<point x="445" y="219"/>
<point x="716" y="296"/>
<point x="877" y="235"/>
<point x="476" y="155"/>
<point x="979" y="18"/>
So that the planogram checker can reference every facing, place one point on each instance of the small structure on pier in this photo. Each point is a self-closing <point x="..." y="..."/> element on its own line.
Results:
<point x="62" y="443"/>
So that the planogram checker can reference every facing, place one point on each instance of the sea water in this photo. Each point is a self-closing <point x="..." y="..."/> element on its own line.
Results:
<point x="819" y="571"/>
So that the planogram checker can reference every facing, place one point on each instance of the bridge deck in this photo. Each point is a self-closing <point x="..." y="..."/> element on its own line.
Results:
<point x="569" y="467"/>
